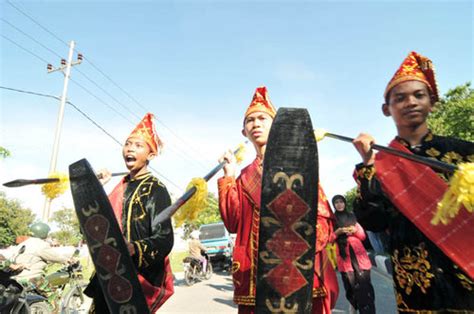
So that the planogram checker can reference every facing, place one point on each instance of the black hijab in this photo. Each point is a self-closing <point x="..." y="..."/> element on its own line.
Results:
<point x="343" y="219"/>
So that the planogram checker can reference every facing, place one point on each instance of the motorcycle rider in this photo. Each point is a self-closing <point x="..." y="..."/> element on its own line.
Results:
<point x="38" y="253"/>
<point x="195" y="248"/>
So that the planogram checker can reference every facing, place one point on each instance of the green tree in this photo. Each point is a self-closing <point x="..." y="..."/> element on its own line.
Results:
<point x="208" y="215"/>
<point x="69" y="231"/>
<point x="453" y="115"/>
<point x="4" y="153"/>
<point x="350" y="197"/>
<point x="14" y="220"/>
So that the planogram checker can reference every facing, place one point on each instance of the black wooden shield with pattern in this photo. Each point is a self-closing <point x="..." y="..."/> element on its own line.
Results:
<point x="113" y="265"/>
<point x="287" y="233"/>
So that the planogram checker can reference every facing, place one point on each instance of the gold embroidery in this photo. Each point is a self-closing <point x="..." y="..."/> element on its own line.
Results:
<point x="253" y="248"/>
<point x="433" y="152"/>
<point x="465" y="281"/>
<point x="412" y="268"/>
<point x="135" y="200"/>
<point x="235" y="267"/>
<point x="452" y="158"/>
<point x="400" y="303"/>
<point x="319" y="292"/>
<point x="366" y="172"/>
<point x="140" y="254"/>
<point x="244" y="300"/>
<point x="429" y="137"/>
<point x="470" y="158"/>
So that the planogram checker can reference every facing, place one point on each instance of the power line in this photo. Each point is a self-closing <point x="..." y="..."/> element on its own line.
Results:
<point x="144" y="108"/>
<point x="37" y="23"/>
<point x="32" y="38"/>
<point x="102" y="101"/>
<point x="182" y="153"/>
<point x="25" y="49"/>
<point x="78" y="84"/>
<point x="29" y="92"/>
<point x="96" y="124"/>
<point x="188" y="145"/>
<point x="108" y="94"/>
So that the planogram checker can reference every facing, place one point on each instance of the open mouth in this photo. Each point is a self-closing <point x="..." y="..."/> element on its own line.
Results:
<point x="130" y="158"/>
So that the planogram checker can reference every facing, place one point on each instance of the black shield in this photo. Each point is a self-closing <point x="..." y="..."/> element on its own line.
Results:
<point x="114" y="267"/>
<point x="287" y="233"/>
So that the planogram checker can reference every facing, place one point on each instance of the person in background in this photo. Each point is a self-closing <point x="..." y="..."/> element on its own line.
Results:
<point x="352" y="260"/>
<point x="196" y="247"/>
<point x="38" y="253"/>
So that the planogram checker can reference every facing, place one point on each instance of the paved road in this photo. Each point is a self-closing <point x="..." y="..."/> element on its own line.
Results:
<point x="215" y="296"/>
<point x="384" y="296"/>
<point x="209" y="296"/>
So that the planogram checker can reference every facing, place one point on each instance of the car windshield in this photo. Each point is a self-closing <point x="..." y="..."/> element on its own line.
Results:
<point x="212" y="232"/>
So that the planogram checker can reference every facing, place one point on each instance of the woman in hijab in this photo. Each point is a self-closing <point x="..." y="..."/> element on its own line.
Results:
<point x="352" y="259"/>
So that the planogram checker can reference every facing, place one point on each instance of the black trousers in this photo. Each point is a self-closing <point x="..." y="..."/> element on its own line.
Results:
<point x="359" y="289"/>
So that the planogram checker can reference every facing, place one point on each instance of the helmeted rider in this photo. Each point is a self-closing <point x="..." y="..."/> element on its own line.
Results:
<point x="38" y="253"/>
<point x="195" y="248"/>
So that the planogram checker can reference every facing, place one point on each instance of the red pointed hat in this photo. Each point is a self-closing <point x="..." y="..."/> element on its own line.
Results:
<point x="415" y="67"/>
<point x="261" y="103"/>
<point x="147" y="132"/>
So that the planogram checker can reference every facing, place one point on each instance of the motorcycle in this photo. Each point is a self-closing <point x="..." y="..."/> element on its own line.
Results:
<point x="15" y="297"/>
<point x="68" y="278"/>
<point x="193" y="271"/>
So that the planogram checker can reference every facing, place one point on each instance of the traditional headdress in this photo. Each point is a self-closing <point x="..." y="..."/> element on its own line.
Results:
<point x="415" y="67"/>
<point x="261" y="103"/>
<point x="147" y="132"/>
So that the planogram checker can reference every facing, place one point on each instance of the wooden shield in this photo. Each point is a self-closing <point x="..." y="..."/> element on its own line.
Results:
<point x="113" y="265"/>
<point x="287" y="233"/>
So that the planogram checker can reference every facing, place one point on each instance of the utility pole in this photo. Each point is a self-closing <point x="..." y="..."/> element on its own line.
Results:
<point x="65" y="67"/>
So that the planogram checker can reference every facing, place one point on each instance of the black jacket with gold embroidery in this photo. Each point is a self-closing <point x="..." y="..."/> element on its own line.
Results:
<point x="144" y="198"/>
<point x="424" y="277"/>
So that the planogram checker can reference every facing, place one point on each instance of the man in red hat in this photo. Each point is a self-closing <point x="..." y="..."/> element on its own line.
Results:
<point x="432" y="265"/>
<point x="136" y="200"/>
<point x="239" y="204"/>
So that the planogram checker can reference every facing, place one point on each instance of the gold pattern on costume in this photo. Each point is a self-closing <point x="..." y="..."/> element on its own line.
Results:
<point x="366" y="172"/>
<point x="433" y="152"/>
<point x="470" y="158"/>
<point x="319" y="292"/>
<point x="465" y="281"/>
<point x="452" y="158"/>
<point x="400" y="303"/>
<point x="412" y="268"/>
<point x="429" y="137"/>
<point x="244" y="300"/>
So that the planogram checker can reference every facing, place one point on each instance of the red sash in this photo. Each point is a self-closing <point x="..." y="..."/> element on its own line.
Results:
<point x="415" y="190"/>
<point x="251" y="178"/>
<point x="155" y="296"/>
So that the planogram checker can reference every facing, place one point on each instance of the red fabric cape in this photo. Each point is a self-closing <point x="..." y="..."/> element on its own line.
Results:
<point x="415" y="189"/>
<point x="155" y="296"/>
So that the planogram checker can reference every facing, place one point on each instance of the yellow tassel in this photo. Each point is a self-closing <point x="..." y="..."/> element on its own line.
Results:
<point x="190" y="210"/>
<point x="239" y="156"/>
<point x="460" y="194"/>
<point x="319" y="134"/>
<point x="55" y="189"/>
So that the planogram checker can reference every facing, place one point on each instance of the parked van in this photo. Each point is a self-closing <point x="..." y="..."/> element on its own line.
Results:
<point x="218" y="242"/>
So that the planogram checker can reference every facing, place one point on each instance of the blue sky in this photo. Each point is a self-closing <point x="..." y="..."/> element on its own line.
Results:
<point x="195" y="65"/>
